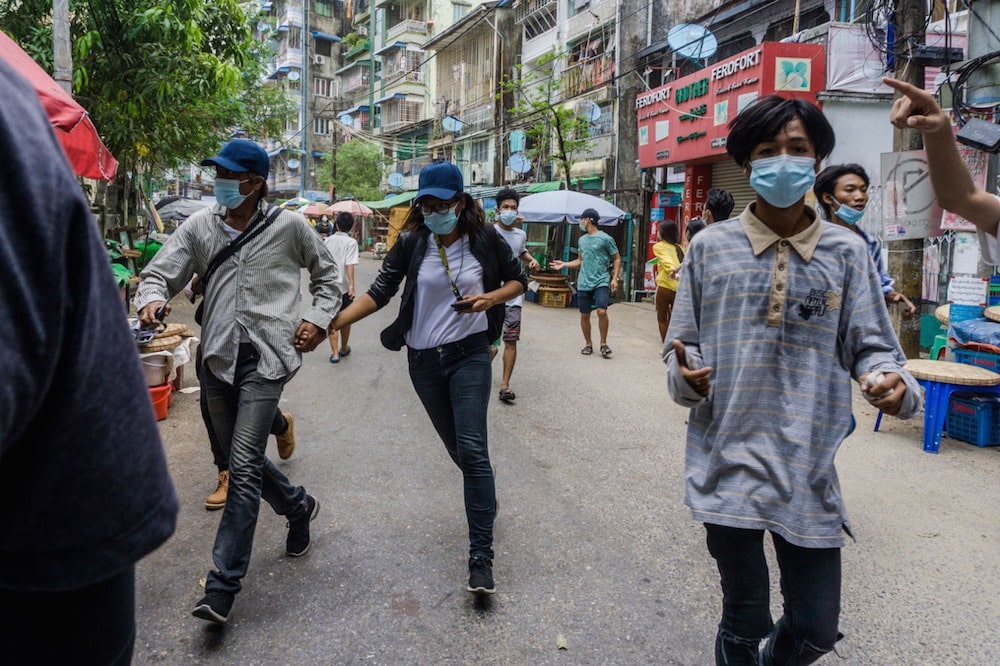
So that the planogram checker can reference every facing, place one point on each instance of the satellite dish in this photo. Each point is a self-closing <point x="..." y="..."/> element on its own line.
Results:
<point x="346" y="119"/>
<point x="293" y="163"/>
<point x="587" y="110"/>
<point x="518" y="163"/>
<point x="294" y="75"/>
<point x="396" y="180"/>
<point x="516" y="141"/>
<point x="692" y="41"/>
<point x="452" y="124"/>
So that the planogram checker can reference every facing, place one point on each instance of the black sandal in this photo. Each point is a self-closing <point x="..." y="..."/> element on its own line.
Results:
<point x="587" y="351"/>
<point x="507" y="395"/>
<point x="605" y="351"/>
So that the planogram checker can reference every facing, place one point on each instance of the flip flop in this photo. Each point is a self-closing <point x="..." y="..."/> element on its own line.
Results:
<point x="345" y="352"/>
<point x="587" y="351"/>
<point x="334" y="359"/>
<point x="605" y="351"/>
<point x="507" y="395"/>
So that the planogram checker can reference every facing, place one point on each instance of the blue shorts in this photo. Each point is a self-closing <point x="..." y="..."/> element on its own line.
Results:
<point x="593" y="299"/>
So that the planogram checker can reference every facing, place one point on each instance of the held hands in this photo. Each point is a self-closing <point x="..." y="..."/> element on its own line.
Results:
<point x="308" y="336"/>
<point x="700" y="379"/>
<point x="884" y="391"/>
<point x="916" y="109"/>
<point x="147" y="316"/>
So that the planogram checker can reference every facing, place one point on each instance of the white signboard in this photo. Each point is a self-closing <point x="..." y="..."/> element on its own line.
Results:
<point x="909" y="209"/>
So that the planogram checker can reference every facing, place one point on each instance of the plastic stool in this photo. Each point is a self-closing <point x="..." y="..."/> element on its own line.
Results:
<point x="940" y="347"/>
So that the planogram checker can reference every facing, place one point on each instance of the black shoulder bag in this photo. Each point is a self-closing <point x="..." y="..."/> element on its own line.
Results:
<point x="225" y="253"/>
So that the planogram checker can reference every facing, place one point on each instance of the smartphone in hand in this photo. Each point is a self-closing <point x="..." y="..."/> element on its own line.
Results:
<point x="461" y="306"/>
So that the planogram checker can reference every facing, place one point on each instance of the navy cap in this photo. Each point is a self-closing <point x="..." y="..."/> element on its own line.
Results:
<point x="592" y="214"/>
<point x="439" y="179"/>
<point x="241" y="155"/>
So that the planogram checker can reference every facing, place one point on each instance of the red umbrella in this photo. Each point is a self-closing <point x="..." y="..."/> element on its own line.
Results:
<point x="87" y="154"/>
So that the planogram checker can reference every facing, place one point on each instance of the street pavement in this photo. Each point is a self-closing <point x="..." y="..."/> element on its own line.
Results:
<point x="597" y="559"/>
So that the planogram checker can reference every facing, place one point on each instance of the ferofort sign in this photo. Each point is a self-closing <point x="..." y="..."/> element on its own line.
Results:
<point x="686" y="120"/>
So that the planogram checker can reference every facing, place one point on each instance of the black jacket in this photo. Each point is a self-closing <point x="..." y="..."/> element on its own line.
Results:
<point x="403" y="261"/>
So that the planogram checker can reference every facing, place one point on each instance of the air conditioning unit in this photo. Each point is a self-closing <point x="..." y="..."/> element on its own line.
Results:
<point x="319" y="60"/>
<point x="361" y="31"/>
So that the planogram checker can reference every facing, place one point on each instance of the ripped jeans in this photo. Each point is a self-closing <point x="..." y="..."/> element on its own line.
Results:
<point x="810" y="588"/>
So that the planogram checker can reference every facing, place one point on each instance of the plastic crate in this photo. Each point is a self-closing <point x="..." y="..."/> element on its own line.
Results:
<point x="978" y="358"/>
<point x="554" y="297"/>
<point x="973" y="420"/>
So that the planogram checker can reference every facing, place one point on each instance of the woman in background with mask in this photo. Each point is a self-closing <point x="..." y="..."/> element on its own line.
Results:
<point x="459" y="274"/>
<point x="842" y="194"/>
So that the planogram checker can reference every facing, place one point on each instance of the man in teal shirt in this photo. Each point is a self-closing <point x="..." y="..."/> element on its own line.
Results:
<point x="594" y="285"/>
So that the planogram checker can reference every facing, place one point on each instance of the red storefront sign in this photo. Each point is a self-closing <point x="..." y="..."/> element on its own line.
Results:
<point x="697" y="180"/>
<point x="686" y="120"/>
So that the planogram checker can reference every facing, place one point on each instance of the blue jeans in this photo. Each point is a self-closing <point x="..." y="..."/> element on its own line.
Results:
<point x="241" y="415"/>
<point x="810" y="588"/>
<point x="453" y="383"/>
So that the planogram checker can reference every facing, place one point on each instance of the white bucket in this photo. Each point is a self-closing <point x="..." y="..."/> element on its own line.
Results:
<point x="155" y="368"/>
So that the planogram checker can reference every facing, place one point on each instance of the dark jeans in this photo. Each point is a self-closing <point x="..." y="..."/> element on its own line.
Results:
<point x="241" y="414"/>
<point x="453" y="382"/>
<point x="221" y="460"/>
<point x="810" y="588"/>
<point x="92" y="625"/>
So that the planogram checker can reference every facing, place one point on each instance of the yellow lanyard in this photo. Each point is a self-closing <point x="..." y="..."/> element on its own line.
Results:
<point x="444" y="260"/>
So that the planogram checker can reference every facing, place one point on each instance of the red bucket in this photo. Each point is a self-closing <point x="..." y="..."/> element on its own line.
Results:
<point x="160" y="395"/>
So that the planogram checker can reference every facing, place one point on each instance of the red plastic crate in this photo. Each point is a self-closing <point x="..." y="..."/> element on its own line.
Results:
<point x="973" y="419"/>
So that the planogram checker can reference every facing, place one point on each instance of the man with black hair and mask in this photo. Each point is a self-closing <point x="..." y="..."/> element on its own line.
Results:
<point x="776" y="311"/>
<point x="253" y="338"/>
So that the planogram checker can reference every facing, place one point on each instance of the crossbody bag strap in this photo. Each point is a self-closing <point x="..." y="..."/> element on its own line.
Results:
<point x="236" y="244"/>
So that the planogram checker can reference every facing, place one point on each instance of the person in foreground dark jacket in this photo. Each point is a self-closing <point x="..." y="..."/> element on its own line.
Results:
<point x="459" y="273"/>
<point x="84" y="487"/>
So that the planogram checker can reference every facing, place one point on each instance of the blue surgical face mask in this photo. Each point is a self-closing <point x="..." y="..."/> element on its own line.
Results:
<point x="849" y="214"/>
<point x="227" y="192"/>
<point x="782" y="180"/>
<point x="507" y="217"/>
<point x="583" y="225"/>
<point x="441" y="223"/>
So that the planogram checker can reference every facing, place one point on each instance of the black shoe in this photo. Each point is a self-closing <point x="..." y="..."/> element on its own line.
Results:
<point x="214" y="607"/>
<point x="297" y="543"/>
<point x="481" y="576"/>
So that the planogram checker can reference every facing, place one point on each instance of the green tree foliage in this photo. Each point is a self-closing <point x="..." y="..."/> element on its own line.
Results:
<point x="553" y="130"/>
<point x="356" y="170"/>
<point x="165" y="81"/>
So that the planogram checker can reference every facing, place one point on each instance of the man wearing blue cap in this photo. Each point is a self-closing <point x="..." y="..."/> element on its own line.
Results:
<point x="249" y="256"/>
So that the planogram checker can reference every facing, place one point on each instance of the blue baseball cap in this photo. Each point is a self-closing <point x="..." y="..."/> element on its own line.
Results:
<point x="439" y="179"/>
<point x="241" y="155"/>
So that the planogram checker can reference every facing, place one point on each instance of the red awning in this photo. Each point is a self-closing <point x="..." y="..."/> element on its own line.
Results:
<point x="86" y="152"/>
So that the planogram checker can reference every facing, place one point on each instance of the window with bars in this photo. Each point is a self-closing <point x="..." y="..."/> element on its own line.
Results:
<point x="321" y="126"/>
<point x="323" y="87"/>
<point x="479" y="151"/>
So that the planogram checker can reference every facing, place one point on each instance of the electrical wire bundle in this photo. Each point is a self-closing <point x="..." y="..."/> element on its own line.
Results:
<point x="883" y="32"/>
<point x="960" y="107"/>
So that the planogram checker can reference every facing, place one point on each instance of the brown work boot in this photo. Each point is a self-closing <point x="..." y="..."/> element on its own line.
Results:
<point x="217" y="500"/>
<point x="286" y="440"/>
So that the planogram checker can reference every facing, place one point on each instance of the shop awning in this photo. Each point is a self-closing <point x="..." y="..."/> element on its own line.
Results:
<point x="391" y="202"/>
<point x="388" y="97"/>
<point x="356" y="63"/>
<point x="552" y="185"/>
<point x="389" y="47"/>
<point x="322" y="35"/>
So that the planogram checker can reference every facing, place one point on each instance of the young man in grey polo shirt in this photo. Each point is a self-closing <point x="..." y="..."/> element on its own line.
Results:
<point x="776" y="311"/>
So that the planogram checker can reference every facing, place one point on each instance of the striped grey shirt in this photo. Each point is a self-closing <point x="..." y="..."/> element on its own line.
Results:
<point x="785" y="324"/>
<point x="256" y="291"/>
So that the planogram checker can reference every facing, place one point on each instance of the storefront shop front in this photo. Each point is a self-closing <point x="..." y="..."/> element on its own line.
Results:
<point x="685" y="122"/>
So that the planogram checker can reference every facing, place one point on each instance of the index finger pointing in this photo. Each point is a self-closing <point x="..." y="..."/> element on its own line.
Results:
<point x="907" y="89"/>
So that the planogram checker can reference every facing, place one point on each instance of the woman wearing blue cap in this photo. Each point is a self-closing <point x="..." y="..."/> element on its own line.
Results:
<point x="459" y="274"/>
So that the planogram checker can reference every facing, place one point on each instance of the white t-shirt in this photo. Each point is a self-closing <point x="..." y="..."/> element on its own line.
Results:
<point x="989" y="245"/>
<point x="345" y="253"/>
<point x="517" y="240"/>
<point x="435" y="322"/>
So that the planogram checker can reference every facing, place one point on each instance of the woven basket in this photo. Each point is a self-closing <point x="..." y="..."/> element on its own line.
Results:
<point x="952" y="373"/>
<point x="992" y="313"/>
<point x="942" y="314"/>
<point x="174" y="329"/>
<point x="161" y="344"/>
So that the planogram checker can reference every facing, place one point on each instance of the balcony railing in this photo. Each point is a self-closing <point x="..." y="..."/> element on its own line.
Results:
<point x="403" y="75"/>
<point x="360" y="47"/>
<point x="407" y="25"/>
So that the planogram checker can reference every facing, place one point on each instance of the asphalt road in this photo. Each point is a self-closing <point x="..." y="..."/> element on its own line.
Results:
<point x="598" y="561"/>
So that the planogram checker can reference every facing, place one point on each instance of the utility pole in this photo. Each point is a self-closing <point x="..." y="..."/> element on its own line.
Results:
<point x="906" y="256"/>
<point x="304" y="162"/>
<point x="61" y="51"/>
